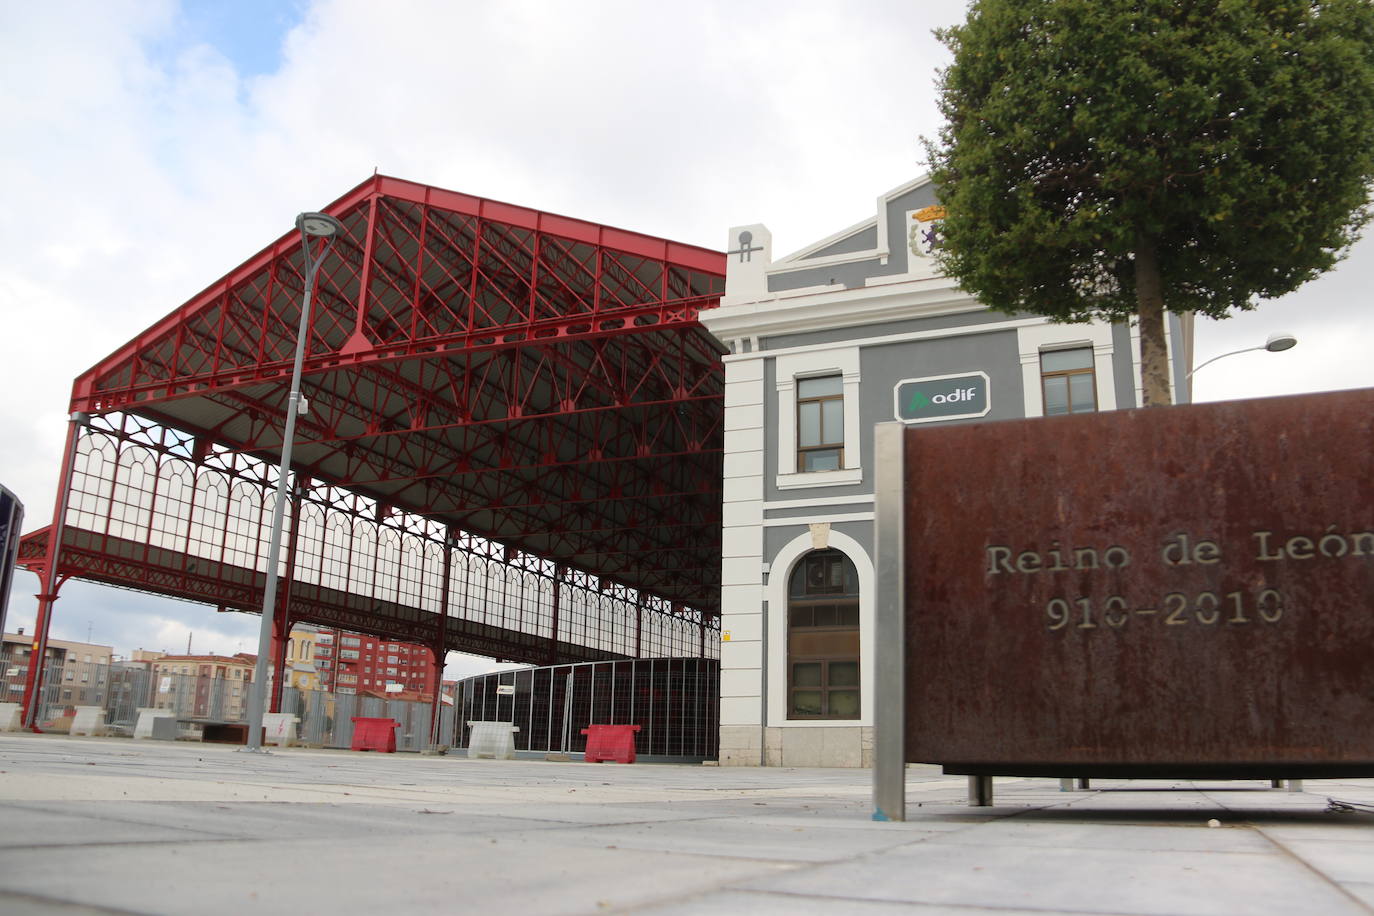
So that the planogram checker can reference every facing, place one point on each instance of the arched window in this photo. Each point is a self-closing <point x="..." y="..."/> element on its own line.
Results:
<point x="823" y="638"/>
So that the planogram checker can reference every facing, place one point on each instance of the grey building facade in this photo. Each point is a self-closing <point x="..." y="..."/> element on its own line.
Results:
<point x="857" y="329"/>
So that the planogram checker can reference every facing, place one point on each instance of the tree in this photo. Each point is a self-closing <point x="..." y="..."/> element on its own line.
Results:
<point x="1110" y="158"/>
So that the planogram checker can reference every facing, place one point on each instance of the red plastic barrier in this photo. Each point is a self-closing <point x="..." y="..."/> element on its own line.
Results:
<point x="610" y="742"/>
<point x="374" y="734"/>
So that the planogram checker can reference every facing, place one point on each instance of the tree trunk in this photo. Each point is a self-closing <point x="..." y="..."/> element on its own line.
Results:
<point x="1149" y="306"/>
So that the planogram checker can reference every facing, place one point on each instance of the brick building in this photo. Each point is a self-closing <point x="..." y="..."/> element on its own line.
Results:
<point x="353" y="663"/>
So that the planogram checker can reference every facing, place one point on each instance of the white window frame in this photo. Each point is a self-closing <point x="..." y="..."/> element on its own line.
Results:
<point x="787" y="369"/>
<point x="1040" y="338"/>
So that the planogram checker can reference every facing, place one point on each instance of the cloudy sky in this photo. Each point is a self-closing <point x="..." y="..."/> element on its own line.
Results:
<point x="150" y="146"/>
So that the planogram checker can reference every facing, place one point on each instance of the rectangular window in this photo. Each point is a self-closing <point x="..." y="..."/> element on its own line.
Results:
<point x="820" y="424"/>
<point x="1069" y="381"/>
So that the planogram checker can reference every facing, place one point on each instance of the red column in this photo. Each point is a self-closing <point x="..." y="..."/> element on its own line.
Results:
<point x="281" y="628"/>
<point x="440" y="647"/>
<point x="281" y="622"/>
<point x="50" y="579"/>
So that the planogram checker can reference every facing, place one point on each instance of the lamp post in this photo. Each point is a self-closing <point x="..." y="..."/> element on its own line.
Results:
<point x="312" y="226"/>
<point x="1277" y="343"/>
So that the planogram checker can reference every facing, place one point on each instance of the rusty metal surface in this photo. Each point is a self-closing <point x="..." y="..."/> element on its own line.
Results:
<point x="1230" y="619"/>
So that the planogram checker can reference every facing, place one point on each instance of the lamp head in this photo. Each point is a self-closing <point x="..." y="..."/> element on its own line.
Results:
<point x="1280" y="341"/>
<point x="319" y="225"/>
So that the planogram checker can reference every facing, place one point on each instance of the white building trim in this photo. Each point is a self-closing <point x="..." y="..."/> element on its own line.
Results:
<point x="863" y="499"/>
<point x="810" y="363"/>
<point x="818" y="519"/>
<point x="1032" y="340"/>
<point x="775" y="593"/>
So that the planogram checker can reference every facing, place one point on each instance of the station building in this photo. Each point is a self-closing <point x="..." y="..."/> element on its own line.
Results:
<point x="857" y="329"/>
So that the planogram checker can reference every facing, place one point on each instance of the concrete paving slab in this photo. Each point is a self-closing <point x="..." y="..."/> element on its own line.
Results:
<point x="40" y="826"/>
<point x="759" y="903"/>
<point x="1108" y="880"/>
<point x="773" y="839"/>
<point x="429" y="874"/>
<point x="1362" y="891"/>
<point x="1196" y="837"/>
<point x="116" y="826"/>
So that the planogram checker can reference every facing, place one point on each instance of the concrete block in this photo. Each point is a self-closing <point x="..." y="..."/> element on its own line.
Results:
<point x="89" y="720"/>
<point x="741" y="464"/>
<point x="739" y="682"/>
<point x="11" y="717"/>
<point x="743" y="440"/>
<point x="742" y="542"/>
<point x="495" y="740"/>
<point x="740" y="738"/>
<point x="739" y="758"/>
<point x="743" y="515"/>
<point x="802" y="747"/>
<point x="739" y="711"/>
<point x="745" y="417"/>
<point x="279" y="729"/>
<point x="744" y="370"/>
<point x="741" y="570"/>
<point x="160" y="724"/>
<point x="741" y="489"/>
<point x="841" y="747"/>
<point x="745" y="599"/>
<point x="744" y="394"/>
<point x="744" y="627"/>
<point x="743" y="654"/>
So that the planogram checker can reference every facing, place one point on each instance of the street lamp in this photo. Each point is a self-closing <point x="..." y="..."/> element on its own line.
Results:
<point x="1276" y="343"/>
<point x="312" y="226"/>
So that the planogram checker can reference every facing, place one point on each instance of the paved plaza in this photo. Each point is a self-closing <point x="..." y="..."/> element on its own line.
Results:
<point x="94" y="825"/>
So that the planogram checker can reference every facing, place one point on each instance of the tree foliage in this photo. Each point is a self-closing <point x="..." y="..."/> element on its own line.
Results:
<point x="1104" y="158"/>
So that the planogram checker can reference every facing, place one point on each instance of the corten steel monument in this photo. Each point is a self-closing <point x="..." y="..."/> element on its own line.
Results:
<point x="1180" y="593"/>
<point x="511" y="442"/>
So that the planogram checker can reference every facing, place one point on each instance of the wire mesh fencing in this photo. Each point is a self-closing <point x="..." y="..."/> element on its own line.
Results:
<point x="674" y="701"/>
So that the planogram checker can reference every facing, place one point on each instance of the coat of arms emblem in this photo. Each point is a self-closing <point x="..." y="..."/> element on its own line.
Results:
<point x="924" y="236"/>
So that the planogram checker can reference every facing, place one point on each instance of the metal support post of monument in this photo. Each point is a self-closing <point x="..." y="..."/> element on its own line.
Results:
<point x="889" y="637"/>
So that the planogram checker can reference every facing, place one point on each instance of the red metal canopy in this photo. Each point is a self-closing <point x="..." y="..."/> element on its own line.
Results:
<point x="534" y="379"/>
<point x="490" y="388"/>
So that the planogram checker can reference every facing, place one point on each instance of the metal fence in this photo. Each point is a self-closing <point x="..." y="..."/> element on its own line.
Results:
<point x="121" y="690"/>
<point x="675" y="701"/>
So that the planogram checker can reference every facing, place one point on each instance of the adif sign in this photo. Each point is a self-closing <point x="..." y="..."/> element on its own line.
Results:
<point x="941" y="397"/>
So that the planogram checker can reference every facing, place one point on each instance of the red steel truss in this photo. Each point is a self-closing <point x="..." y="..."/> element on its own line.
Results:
<point x="512" y="446"/>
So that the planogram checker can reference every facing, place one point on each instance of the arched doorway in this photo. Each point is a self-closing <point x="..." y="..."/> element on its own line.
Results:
<point x="823" y="672"/>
